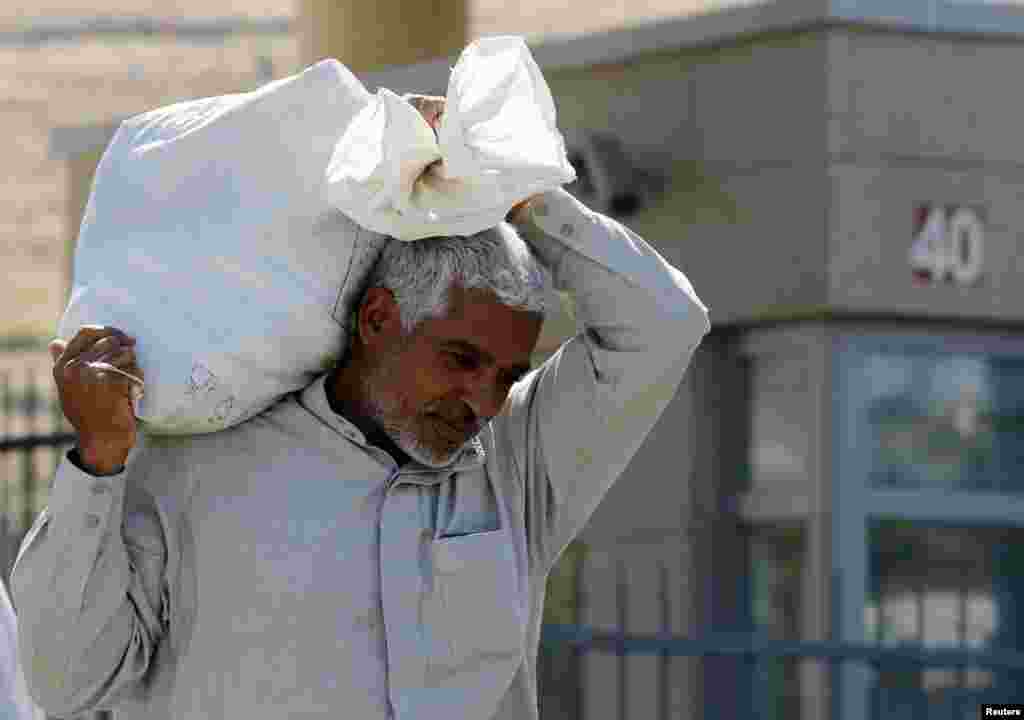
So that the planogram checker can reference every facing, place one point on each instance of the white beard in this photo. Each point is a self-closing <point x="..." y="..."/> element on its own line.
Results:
<point x="384" y="407"/>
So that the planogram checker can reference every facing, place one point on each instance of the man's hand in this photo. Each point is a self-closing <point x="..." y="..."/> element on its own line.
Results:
<point x="518" y="214"/>
<point x="95" y="400"/>
<point x="431" y="107"/>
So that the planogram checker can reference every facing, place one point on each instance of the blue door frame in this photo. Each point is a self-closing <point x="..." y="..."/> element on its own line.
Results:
<point x="856" y="506"/>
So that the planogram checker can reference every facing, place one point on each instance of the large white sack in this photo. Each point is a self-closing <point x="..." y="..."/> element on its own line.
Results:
<point x="208" y="237"/>
<point x="218" y="231"/>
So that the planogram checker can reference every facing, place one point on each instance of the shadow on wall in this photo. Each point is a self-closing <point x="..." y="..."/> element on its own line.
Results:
<point x="691" y="196"/>
<point x="635" y="188"/>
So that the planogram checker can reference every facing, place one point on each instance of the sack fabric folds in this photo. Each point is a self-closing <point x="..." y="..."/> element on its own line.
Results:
<point x="498" y="143"/>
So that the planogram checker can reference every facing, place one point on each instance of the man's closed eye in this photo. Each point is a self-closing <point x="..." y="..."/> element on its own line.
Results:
<point x="463" y="361"/>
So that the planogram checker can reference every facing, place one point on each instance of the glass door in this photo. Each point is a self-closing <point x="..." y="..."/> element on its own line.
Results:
<point x="928" y="513"/>
<point x="938" y="586"/>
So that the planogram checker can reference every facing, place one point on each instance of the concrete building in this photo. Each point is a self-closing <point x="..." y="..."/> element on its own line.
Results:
<point x="843" y="182"/>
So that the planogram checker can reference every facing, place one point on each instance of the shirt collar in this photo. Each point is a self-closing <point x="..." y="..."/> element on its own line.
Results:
<point x="314" y="399"/>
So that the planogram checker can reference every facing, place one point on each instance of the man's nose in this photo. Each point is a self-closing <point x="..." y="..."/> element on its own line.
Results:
<point x="484" y="396"/>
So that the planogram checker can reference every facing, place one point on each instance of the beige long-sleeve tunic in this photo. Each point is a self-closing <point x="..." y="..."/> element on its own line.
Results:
<point x="286" y="569"/>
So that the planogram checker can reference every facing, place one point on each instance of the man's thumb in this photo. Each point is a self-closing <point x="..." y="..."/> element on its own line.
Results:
<point x="57" y="349"/>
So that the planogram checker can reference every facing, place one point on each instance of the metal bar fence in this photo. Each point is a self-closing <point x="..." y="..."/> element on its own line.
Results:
<point x="756" y="651"/>
<point x="753" y="648"/>
<point x="587" y="639"/>
<point x="33" y="438"/>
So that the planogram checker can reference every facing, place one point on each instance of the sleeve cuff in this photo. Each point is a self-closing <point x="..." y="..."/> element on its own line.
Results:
<point x="83" y="509"/>
<point x="76" y="460"/>
<point x="557" y="212"/>
<point x="82" y="502"/>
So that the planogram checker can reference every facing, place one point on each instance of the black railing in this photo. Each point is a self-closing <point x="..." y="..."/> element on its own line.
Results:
<point x="26" y="443"/>
<point x="33" y="438"/>
<point x="595" y="661"/>
<point x="586" y="639"/>
<point x="912" y="701"/>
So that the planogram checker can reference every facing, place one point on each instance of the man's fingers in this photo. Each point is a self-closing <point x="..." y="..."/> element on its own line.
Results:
<point x="85" y="337"/>
<point x="106" y="345"/>
<point x="72" y="363"/>
<point x="518" y="210"/>
<point x="90" y="334"/>
<point x="431" y="107"/>
<point x="56" y="348"/>
<point x="124" y="360"/>
<point x="110" y="363"/>
<point x="89" y="343"/>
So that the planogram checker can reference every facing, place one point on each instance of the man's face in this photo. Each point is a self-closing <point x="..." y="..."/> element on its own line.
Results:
<point x="433" y="391"/>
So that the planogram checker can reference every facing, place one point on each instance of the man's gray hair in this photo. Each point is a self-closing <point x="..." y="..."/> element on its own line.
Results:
<point x="420" y="273"/>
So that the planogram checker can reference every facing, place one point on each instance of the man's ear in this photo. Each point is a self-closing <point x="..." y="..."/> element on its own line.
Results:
<point x="379" y="319"/>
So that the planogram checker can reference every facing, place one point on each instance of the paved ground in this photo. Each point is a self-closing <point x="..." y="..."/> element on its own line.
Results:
<point x="91" y="81"/>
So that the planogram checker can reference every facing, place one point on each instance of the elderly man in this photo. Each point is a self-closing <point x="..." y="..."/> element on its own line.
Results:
<point x="375" y="546"/>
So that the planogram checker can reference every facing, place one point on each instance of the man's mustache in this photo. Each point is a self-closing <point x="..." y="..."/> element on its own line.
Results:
<point x="466" y="420"/>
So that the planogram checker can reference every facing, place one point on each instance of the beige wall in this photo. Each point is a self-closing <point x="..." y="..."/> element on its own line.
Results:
<point x="939" y="97"/>
<point x="923" y="119"/>
<point x="872" y="228"/>
<point x="739" y="133"/>
<point x="382" y="33"/>
<point x="79" y="175"/>
<point x="742" y="103"/>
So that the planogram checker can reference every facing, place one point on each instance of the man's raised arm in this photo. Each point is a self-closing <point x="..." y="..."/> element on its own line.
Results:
<point x="88" y="581"/>
<point x="584" y="414"/>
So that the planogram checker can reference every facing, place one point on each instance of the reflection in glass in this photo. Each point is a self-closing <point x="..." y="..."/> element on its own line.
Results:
<point x="949" y="587"/>
<point x="941" y="420"/>
<point x="921" y="414"/>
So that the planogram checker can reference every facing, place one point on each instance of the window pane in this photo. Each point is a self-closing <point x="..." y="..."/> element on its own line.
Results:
<point x="943" y="587"/>
<point x="941" y="420"/>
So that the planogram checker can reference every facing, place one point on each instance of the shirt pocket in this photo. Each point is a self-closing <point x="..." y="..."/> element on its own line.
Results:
<point x="473" y="610"/>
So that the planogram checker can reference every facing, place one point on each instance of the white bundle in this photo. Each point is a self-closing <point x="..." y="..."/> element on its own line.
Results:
<point x="220" y="232"/>
<point x="498" y="143"/>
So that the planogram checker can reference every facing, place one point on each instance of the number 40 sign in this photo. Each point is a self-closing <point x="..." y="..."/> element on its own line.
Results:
<point x="949" y="244"/>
